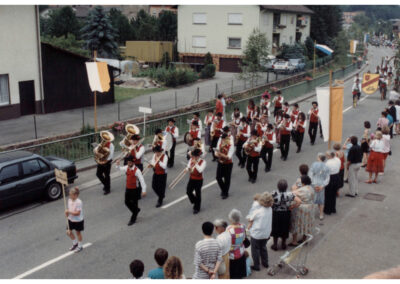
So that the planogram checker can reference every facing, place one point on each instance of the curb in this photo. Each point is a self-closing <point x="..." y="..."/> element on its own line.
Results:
<point x="180" y="140"/>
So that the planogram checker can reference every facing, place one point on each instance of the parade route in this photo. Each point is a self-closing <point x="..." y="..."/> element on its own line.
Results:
<point x="361" y="238"/>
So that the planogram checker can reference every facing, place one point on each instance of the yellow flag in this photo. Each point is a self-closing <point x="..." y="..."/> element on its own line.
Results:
<point x="370" y="83"/>
<point x="336" y="114"/>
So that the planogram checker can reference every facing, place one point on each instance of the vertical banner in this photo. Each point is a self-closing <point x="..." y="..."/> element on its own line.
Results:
<point x="323" y="99"/>
<point x="99" y="79"/>
<point x="336" y="114"/>
<point x="353" y="46"/>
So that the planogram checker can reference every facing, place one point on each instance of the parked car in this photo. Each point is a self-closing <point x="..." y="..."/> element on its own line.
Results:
<point x="268" y="64"/>
<point x="282" y="66"/>
<point x="298" y="63"/>
<point x="25" y="176"/>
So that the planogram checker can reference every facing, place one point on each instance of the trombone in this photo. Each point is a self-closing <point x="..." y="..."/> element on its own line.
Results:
<point x="180" y="176"/>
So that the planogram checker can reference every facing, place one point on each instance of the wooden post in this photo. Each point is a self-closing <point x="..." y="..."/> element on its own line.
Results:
<point x="65" y="205"/>
<point x="95" y="97"/>
<point x="315" y="42"/>
<point x="330" y="100"/>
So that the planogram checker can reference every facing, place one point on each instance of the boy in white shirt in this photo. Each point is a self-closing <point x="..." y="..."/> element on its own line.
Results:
<point x="74" y="214"/>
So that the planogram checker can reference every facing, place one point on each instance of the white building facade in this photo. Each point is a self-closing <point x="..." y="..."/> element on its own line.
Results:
<point x="224" y="30"/>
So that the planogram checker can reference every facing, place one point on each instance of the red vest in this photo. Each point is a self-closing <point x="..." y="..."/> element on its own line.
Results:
<point x="219" y="107"/>
<point x="218" y="131"/>
<point x="136" y="161"/>
<point x="294" y="115"/>
<point x="259" y="129"/>
<point x="225" y="151"/>
<point x="285" y="109"/>
<point x="209" y="119"/>
<point x="278" y="102"/>
<point x="245" y="129"/>
<point x="254" y="153"/>
<point x="195" y="174"/>
<point x="269" y="137"/>
<point x="314" y="117"/>
<point x="284" y="131"/>
<point x="158" y="170"/>
<point x="108" y="144"/>
<point x="131" y="178"/>
<point x="250" y="112"/>
<point x="194" y="134"/>
<point x="300" y="126"/>
<point x="171" y="129"/>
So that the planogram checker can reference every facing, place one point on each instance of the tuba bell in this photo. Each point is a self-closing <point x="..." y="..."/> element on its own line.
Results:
<point x="101" y="151"/>
<point x="131" y="130"/>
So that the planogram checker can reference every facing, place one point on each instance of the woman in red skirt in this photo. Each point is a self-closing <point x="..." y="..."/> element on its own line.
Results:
<point x="376" y="158"/>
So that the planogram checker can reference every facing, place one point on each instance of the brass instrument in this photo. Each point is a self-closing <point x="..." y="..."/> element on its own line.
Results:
<point x="180" y="176"/>
<point x="131" y="130"/>
<point x="224" y="143"/>
<point x="212" y="133"/>
<point x="101" y="153"/>
<point x="125" y="151"/>
<point x="157" y="138"/>
<point x="150" y="165"/>
<point x="251" y="145"/>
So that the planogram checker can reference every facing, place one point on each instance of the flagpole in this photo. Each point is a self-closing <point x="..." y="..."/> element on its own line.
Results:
<point x="330" y="107"/>
<point x="315" y="42"/>
<point x="95" y="97"/>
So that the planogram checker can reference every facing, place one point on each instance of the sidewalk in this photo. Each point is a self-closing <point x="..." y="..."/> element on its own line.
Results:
<point x="22" y="129"/>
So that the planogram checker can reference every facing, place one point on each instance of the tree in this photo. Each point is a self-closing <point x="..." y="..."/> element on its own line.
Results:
<point x="121" y="24"/>
<point x="255" y="52"/>
<point x="99" y="34"/>
<point x="342" y="44"/>
<point x="167" y="26"/>
<point x="208" y="59"/>
<point x="326" y="23"/>
<point x="293" y="51"/>
<point x="69" y="43"/>
<point x="62" y="22"/>
<point x="145" y="26"/>
<point x="309" y="44"/>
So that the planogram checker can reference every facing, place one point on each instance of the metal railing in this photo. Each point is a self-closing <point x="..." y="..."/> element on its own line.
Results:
<point x="80" y="147"/>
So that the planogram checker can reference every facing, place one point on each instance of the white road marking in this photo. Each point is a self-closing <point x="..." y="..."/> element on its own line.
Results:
<point x="349" y="108"/>
<point x="51" y="261"/>
<point x="185" y="196"/>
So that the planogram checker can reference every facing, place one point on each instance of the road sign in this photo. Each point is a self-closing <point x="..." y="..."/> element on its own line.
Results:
<point x="145" y="110"/>
<point x="61" y="177"/>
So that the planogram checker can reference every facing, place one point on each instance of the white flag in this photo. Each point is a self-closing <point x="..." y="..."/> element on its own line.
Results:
<point x="323" y="98"/>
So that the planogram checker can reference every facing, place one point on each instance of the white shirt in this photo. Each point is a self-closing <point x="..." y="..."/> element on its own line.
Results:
<point x="245" y="133"/>
<point x="377" y="145"/>
<point x="231" y="148"/>
<point x="208" y="119"/>
<point x="397" y="112"/>
<point x="257" y="148"/>
<point x="163" y="162"/>
<point x="234" y="118"/>
<point x="176" y="131"/>
<point x="111" y="156"/>
<point x="333" y="165"/>
<point x="290" y="127"/>
<point x="386" y="143"/>
<point x="138" y="174"/>
<point x="273" y="140"/>
<point x="75" y="205"/>
<point x="199" y="168"/>
<point x="199" y="121"/>
<point x="225" y="241"/>
<point x="213" y="125"/>
<point x="262" y="223"/>
<point x="140" y="153"/>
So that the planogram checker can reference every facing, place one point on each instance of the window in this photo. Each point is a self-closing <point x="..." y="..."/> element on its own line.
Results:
<point x="265" y="19"/>
<point x="4" y="90"/>
<point x="277" y="19"/>
<point x="283" y="20"/>
<point x="292" y="20"/>
<point x="234" y="42"/>
<point x="31" y="167"/>
<point x="200" y="18"/>
<point x="9" y="173"/>
<point x="199" y="41"/>
<point x="43" y="166"/>
<point x="235" y="19"/>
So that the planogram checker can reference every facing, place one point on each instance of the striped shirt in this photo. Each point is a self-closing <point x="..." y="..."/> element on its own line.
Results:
<point x="238" y="234"/>
<point x="207" y="252"/>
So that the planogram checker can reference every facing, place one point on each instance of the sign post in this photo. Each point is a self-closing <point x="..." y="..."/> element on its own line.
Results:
<point x="61" y="177"/>
<point x="145" y="110"/>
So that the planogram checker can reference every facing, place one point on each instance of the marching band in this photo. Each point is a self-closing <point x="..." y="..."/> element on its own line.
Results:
<point x="251" y="137"/>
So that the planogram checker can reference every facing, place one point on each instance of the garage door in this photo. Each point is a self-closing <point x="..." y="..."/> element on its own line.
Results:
<point x="229" y="65"/>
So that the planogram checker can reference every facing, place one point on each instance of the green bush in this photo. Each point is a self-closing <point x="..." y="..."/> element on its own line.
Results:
<point x="208" y="71"/>
<point x="170" y="77"/>
<point x="208" y="59"/>
<point x="165" y="60"/>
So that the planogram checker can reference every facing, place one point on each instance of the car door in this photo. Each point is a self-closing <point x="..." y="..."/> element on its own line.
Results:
<point x="33" y="179"/>
<point x="9" y="185"/>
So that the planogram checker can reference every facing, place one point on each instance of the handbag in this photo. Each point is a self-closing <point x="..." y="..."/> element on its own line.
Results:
<point x="246" y="242"/>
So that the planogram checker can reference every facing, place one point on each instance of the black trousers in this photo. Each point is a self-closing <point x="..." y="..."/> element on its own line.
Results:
<point x="330" y="194"/>
<point x="159" y="183"/>
<point x="214" y="143"/>
<point x="252" y="166"/>
<point x="224" y="172"/>
<point x="312" y="131"/>
<point x="259" y="250"/>
<point x="195" y="199"/>
<point x="299" y="139"/>
<point x="103" y="174"/>
<point x="320" y="129"/>
<point x="266" y="156"/>
<point x="285" y="142"/>
<point x="171" y="157"/>
<point x="240" y="153"/>
<point x="132" y="197"/>
<point x="276" y="109"/>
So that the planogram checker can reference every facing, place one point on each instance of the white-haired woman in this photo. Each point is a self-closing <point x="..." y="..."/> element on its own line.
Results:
<point x="224" y="240"/>
<point x="237" y="259"/>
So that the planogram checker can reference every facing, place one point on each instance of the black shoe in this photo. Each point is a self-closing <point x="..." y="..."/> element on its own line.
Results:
<point x="349" y="195"/>
<point x="250" y="179"/>
<point x="312" y="143"/>
<point x="255" y="268"/>
<point x="239" y="164"/>
<point x="131" y="222"/>
<point x="195" y="211"/>
<point x="159" y="204"/>
<point x="267" y="170"/>
<point x="224" y="196"/>
<point x="170" y="166"/>
<point x="298" y="151"/>
<point x="253" y="181"/>
<point x="107" y="192"/>
<point x="214" y="159"/>
<point x="346" y="181"/>
<point x="266" y="265"/>
<point x="242" y="166"/>
<point x="284" y="158"/>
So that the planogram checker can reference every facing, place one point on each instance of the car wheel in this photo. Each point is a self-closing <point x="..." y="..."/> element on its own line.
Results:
<point x="53" y="191"/>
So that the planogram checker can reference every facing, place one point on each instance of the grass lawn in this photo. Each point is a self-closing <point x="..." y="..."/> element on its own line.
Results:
<point x="122" y="94"/>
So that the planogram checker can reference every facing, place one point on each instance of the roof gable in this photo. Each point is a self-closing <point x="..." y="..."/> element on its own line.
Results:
<point x="288" y="8"/>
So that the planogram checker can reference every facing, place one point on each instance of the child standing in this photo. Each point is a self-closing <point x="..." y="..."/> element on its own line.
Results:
<point x="74" y="214"/>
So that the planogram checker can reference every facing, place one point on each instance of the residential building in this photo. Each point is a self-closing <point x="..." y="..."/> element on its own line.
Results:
<point x="224" y="30"/>
<point x="348" y="18"/>
<point x="155" y="10"/>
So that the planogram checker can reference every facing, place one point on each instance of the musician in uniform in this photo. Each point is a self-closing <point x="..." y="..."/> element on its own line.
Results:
<point x="196" y="145"/>
<point x="299" y="128"/>
<point x="195" y="167"/>
<point x="314" y="118"/>
<point x="159" y="165"/>
<point x="195" y="131"/>
<point x="278" y="102"/>
<point x="103" y="169"/>
<point x="225" y="149"/>
<point x="159" y="139"/>
<point x="137" y="152"/>
<point x="285" y="108"/>
<point x="219" y="105"/>
<point x="250" y="111"/>
<point x="236" y="115"/>
<point x="216" y="132"/>
<point x="227" y="130"/>
<point x="253" y="149"/>
<point x="174" y="131"/>
<point x="196" y="117"/>
<point x="285" y="130"/>
<point x="265" y="100"/>
<point x="267" y="150"/>
<point x="207" y="123"/>
<point x="278" y="121"/>
<point x="294" y="113"/>
<point x="133" y="192"/>
<point x="261" y="126"/>
<point x="243" y="134"/>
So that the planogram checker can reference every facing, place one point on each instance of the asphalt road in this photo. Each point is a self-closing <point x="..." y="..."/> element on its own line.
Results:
<point x="359" y="239"/>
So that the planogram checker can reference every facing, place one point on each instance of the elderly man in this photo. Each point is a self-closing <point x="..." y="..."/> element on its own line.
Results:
<point x="225" y="242"/>
<point x="333" y="163"/>
<point x="354" y="159"/>
<point x="319" y="174"/>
